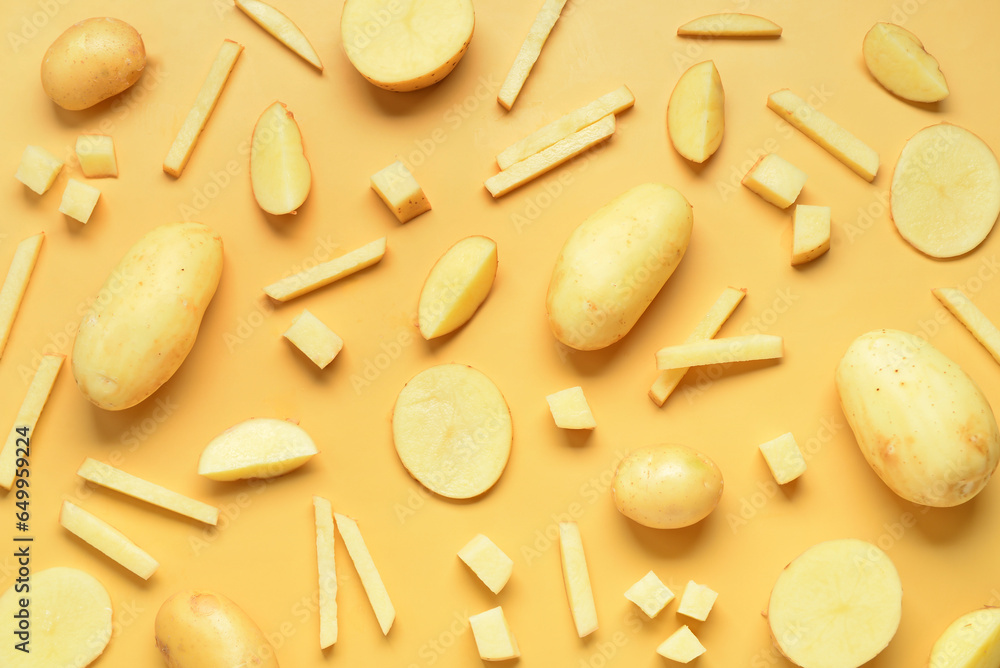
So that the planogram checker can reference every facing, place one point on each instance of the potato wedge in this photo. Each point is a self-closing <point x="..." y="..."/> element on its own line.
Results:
<point x="971" y="641"/>
<point x="280" y="175"/>
<point x="730" y="25"/>
<point x="281" y="28"/>
<point x="899" y="61"/>
<point x="256" y="448"/>
<point x="696" y="116"/>
<point x="456" y="286"/>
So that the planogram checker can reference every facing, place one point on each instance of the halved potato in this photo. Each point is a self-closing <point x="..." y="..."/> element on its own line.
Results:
<point x="457" y="284"/>
<point x="279" y="171"/>
<point x="695" y="114"/>
<point x="971" y="641"/>
<point x="897" y="59"/>
<point x="256" y="448"/>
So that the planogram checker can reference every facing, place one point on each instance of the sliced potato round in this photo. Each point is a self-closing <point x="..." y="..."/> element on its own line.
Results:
<point x="971" y="641"/>
<point x="945" y="194"/>
<point x="404" y="45"/>
<point x="452" y="430"/>
<point x="837" y="605"/>
<point x="69" y="624"/>
<point x="898" y="61"/>
<point x="456" y="285"/>
<point x="256" y="448"/>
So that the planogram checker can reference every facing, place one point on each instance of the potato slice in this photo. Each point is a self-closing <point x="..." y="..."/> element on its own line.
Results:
<point x="70" y="620"/>
<point x="488" y="562"/>
<point x="971" y="641"/>
<point x="529" y="52"/>
<point x="577" y="579"/>
<point x="279" y="171"/>
<point x="898" y="61"/>
<point x="16" y="283"/>
<point x="27" y="417"/>
<point x="327" y="569"/>
<point x="682" y="646"/>
<point x="969" y="315"/>
<point x="810" y="232"/>
<point x="256" y="448"/>
<point x="837" y="605"/>
<point x="316" y="277"/>
<point x="281" y="28"/>
<point x="456" y="285"/>
<point x="109" y="540"/>
<point x="720" y="351"/>
<point x="365" y="566"/>
<point x="945" y="194"/>
<point x="696" y="116"/>
<point x="730" y="25"/>
<point x="452" y="430"/>
<point x="494" y="639"/>
<point x="403" y="45"/>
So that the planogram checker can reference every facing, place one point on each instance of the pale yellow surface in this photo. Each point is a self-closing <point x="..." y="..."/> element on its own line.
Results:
<point x="396" y="186"/>
<point x="79" y="200"/>
<point x="576" y="578"/>
<point x="96" y="154"/>
<point x="530" y="49"/>
<point x="730" y="24"/>
<point x="317" y="341"/>
<point x="969" y="315"/>
<point x="810" y="232"/>
<point x="697" y="601"/>
<point x="776" y="180"/>
<point x="109" y="540"/>
<point x="26" y="419"/>
<point x="682" y="646"/>
<point x="15" y="283"/>
<point x="281" y="28"/>
<point x="487" y="561"/>
<point x="748" y="348"/>
<point x="784" y="458"/>
<point x="570" y="409"/>
<point x="38" y="169"/>
<point x="326" y="562"/>
<point x="493" y="636"/>
<point x="367" y="572"/>
<point x="650" y="594"/>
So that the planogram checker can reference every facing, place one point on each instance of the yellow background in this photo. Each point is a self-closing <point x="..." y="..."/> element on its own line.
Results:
<point x="263" y="556"/>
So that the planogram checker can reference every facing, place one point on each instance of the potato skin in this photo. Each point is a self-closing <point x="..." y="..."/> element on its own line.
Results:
<point x="614" y="264"/>
<point x="666" y="486"/>
<point x="199" y="629"/>
<point x="922" y="424"/>
<point x="145" y="319"/>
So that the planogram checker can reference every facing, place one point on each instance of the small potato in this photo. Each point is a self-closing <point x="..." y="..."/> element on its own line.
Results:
<point x="666" y="486"/>
<point x="93" y="60"/>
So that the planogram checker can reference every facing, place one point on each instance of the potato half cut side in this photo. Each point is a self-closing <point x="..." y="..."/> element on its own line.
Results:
<point x="452" y="430"/>
<point x="899" y="61"/>
<point x="837" y="605"/>
<point x="945" y="194"/>
<point x="70" y="613"/>
<point x="404" y="45"/>
<point x="256" y="448"/>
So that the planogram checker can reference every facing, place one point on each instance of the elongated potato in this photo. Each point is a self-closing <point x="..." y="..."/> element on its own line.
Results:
<point x="920" y="421"/>
<point x="614" y="264"/>
<point x="145" y="319"/>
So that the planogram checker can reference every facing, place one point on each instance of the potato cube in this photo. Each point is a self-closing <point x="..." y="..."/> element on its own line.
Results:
<point x="96" y="154"/>
<point x="650" y="594"/>
<point x="312" y="337"/>
<point x="776" y="180"/>
<point x="400" y="192"/>
<point x="810" y="232"/>
<point x="38" y="169"/>
<point x="784" y="458"/>
<point x="488" y="562"/>
<point x="682" y="647"/>
<point x="493" y="637"/>
<point x="570" y="409"/>
<point x="79" y="200"/>
<point x="697" y="601"/>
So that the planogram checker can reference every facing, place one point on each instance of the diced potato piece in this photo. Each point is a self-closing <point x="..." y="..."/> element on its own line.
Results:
<point x="650" y="594"/>
<point x="696" y="116"/>
<point x="530" y="49"/>
<point x="456" y="285"/>
<point x="27" y="416"/>
<point x="898" y="60"/>
<point x="970" y="316"/>
<point x="720" y="351"/>
<point x="784" y="458"/>
<point x="281" y="28"/>
<point x="682" y="646"/>
<point x="488" y="562"/>
<point x="730" y="25"/>
<point x="396" y="187"/>
<point x="256" y="448"/>
<point x="315" y="339"/>
<point x="971" y="641"/>
<point x="109" y="540"/>
<point x="16" y="282"/>
<point x="493" y="636"/>
<point x="776" y="180"/>
<point x="810" y="232"/>
<point x="570" y="409"/>
<point x="577" y="579"/>
<point x="96" y="154"/>
<point x="327" y="568"/>
<point x="370" y="578"/>
<point x="328" y="272"/>
<point x="38" y="169"/>
<point x="696" y="601"/>
<point x="79" y="200"/>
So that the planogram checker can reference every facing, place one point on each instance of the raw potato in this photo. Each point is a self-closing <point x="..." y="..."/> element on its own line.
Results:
<point x="326" y="566"/>
<point x="405" y="45"/>
<point x="256" y="448"/>
<point x="697" y="601"/>
<point x="79" y="200"/>
<point x="319" y="275"/>
<point x="103" y="537"/>
<point x="898" y="61"/>
<point x="96" y="154"/>
<point x="70" y="620"/>
<point x="971" y="641"/>
<point x="38" y="169"/>
<point x="384" y="611"/>
<point x="529" y="52"/>
<point x="920" y="421"/>
<point x="281" y="28"/>
<point x="747" y="348"/>
<point x="488" y="562"/>
<point x="696" y="115"/>
<point x="837" y="605"/>
<point x="969" y="315"/>
<point x="16" y="283"/>
<point x="452" y="430"/>
<point x="456" y="285"/>
<point x="730" y="25"/>
<point x="604" y="278"/>
<point x="810" y="232"/>
<point x="945" y="194"/>
<point x="279" y="171"/>
<point x="776" y="180"/>
<point x="93" y="60"/>
<point x="666" y="486"/>
<point x="576" y="577"/>
<point x="133" y="341"/>
<point x="200" y="629"/>
<point x="493" y="636"/>
<point x="395" y="186"/>
<point x="682" y="646"/>
<point x="27" y="416"/>
<point x="650" y="594"/>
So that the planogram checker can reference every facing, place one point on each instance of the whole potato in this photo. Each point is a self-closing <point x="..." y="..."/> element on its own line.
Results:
<point x="145" y="319"/>
<point x="200" y="629"/>
<point x="614" y="264"/>
<point x="920" y="421"/>
<point x="93" y="60"/>
<point x="666" y="486"/>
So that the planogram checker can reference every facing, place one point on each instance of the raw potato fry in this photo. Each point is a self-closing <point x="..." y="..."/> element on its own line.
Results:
<point x="488" y="562"/>
<point x="327" y="567"/>
<point x="970" y="316"/>
<point x="27" y="416"/>
<point x="530" y="49"/>
<point x="38" y="169"/>
<point x="108" y="476"/>
<point x="577" y="579"/>
<point x="899" y="61"/>
<point x="682" y="646"/>
<point x="370" y="578"/>
<point x="281" y="28"/>
<point x="709" y="326"/>
<point x="720" y="351"/>
<point x="534" y="166"/>
<point x="328" y="272"/>
<point x="971" y="641"/>
<point x="256" y="448"/>
<point x="494" y="639"/>
<point x="730" y="25"/>
<point x="317" y="341"/>
<point x="204" y="104"/>
<point x="614" y="102"/>
<point x="16" y="283"/>
<point x="109" y="540"/>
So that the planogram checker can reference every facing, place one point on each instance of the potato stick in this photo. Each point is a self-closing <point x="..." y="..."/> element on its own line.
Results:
<point x="370" y="578"/>
<point x="970" y="316"/>
<point x="16" y="283"/>
<point x="282" y="29"/>
<point x="327" y="568"/>
<point x="530" y="49"/>
<point x="109" y="540"/>
<point x="709" y="326"/>
<point x="328" y="272"/>
<point x="27" y="415"/>
<point x="720" y="351"/>
<point x="576" y="577"/>
<point x="534" y="166"/>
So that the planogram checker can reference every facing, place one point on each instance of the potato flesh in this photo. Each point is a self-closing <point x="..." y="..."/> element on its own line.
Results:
<point x="282" y="29"/>
<point x="971" y="641"/>
<point x="457" y="284"/>
<point x="730" y="25"/>
<point x="695" y="115"/>
<point x="15" y="283"/>
<point x="279" y="171"/>
<point x="28" y="414"/>
<point x="898" y="61"/>
<point x="256" y="448"/>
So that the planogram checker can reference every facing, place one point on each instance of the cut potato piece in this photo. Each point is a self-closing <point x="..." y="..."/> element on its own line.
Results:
<point x="310" y="279"/>
<point x="810" y="232"/>
<point x="970" y="316"/>
<point x="452" y="430"/>
<point x="682" y="646"/>
<point x="96" y="154"/>
<point x="456" y="285"/>
<point x="403" y="45"/>
<point x="281" y="28"/>
<point x="971" y="641"/>
<point x="109" y="540"/>
<point x="370" y="578"/>
<point x="650" y="594"/>
<point x="614" y="102"/>
<point x="776" y="180"/>
<point x="72" y="617"/>
<point x="79" y="200"/>
<point x="784" y="458"/>
<point x="397" y="188"/>
<point x="730" y="25"/>
<point x="27" y="417"/>
<point x="494" y="639"/>
<point x="256" y="448"/>
<point x="204" y="104"/>
<point x="327" y="568"/>
<point x="319" y="343"/>
<point x="488" y="562"/>
<point x="570" y="409"/>
<point x="528" y="54"/>
<point x="696" y="116"/>
<point x="720" y="351"/>
<point x="38" y="169"/>
<point x="279" y="171"/>
<point x="16" y="283"/>
<point x="840" y="143"/>
<point x="837" y="605"/>
<point x="534" y="166"/>
<point x="696" y="601"/>
<point x="945" y="194"/>
<point x="577" y="579"/>
<point x="898" y="61"/>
